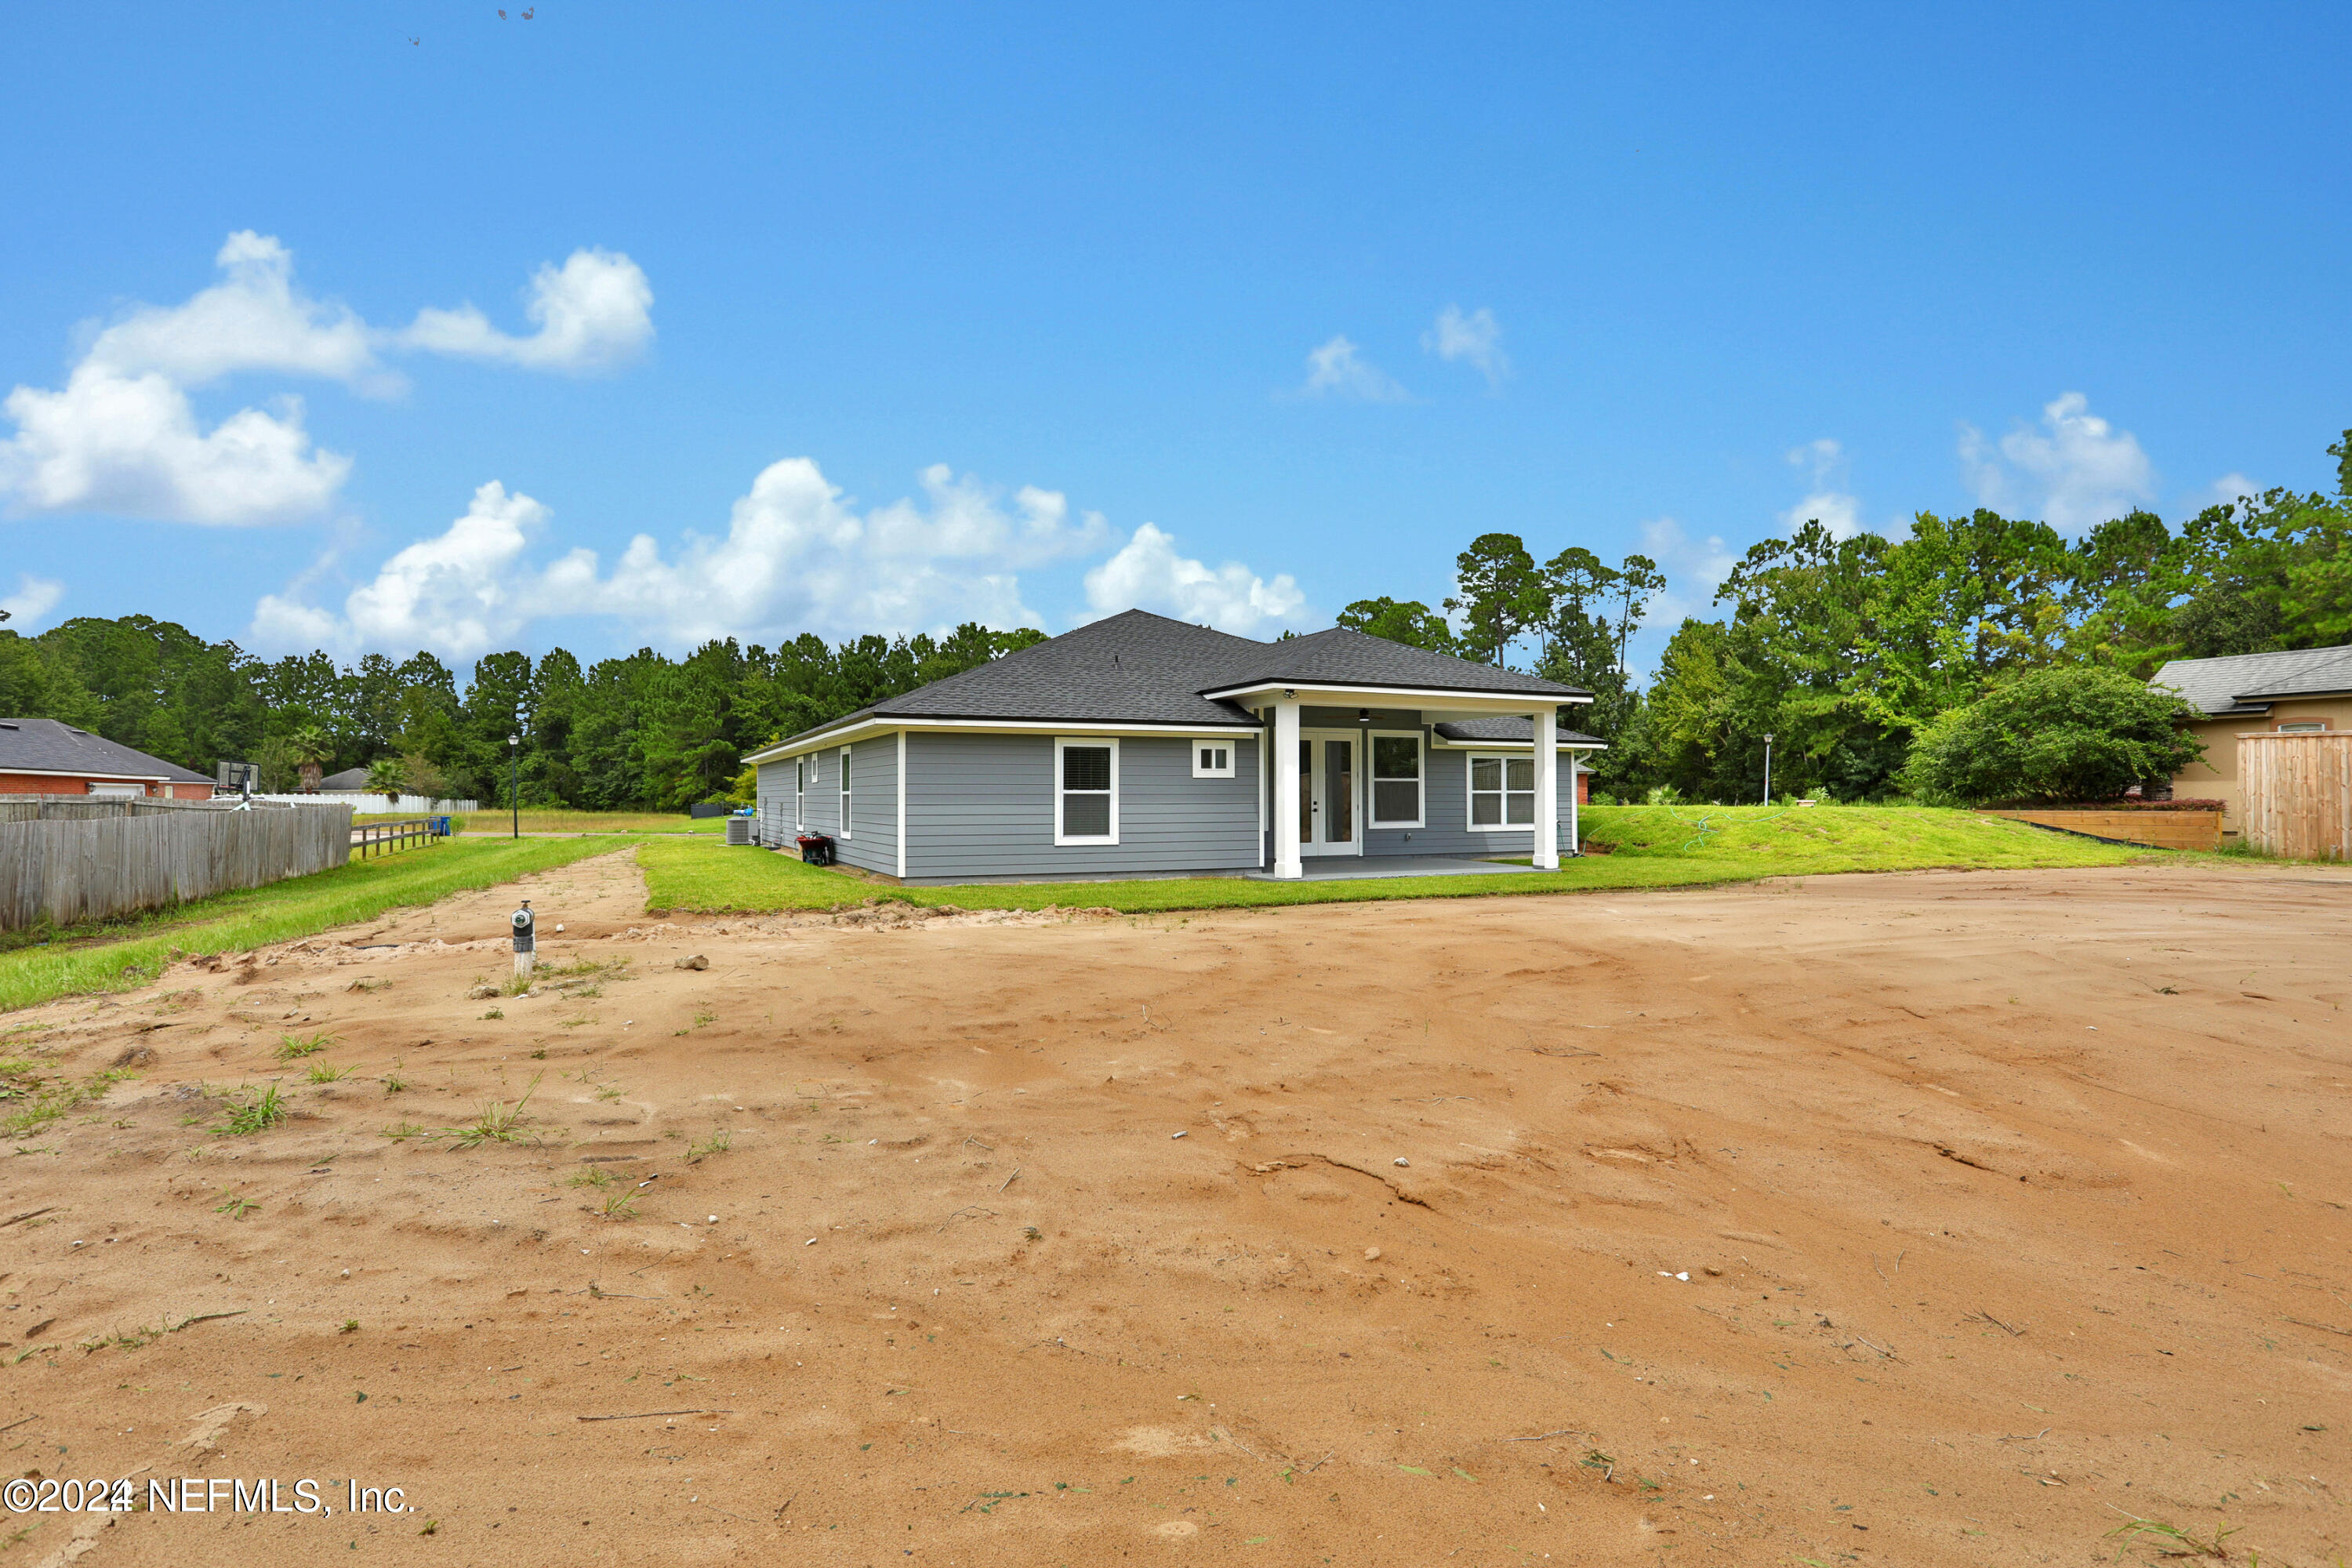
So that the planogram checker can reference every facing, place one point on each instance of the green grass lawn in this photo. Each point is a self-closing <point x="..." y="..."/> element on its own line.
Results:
<point x="118" y="954"/>
<point x="487" y="824"/>
<point x="1655" y="847"/>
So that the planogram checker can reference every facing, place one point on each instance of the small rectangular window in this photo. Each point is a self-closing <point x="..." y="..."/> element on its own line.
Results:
<point x="800" y="792"/>
<point x="1396" y="781"/>
<point x="1085" y="791"/>
<point x="1502" y="793"/>
<point x="2304" y="727"/>
<point x="844" y="830"/>
<point x="1213" y="760"/>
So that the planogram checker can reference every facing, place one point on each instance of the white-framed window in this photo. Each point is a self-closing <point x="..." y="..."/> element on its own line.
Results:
<point x="1502" y="793"/>
<point x="1212" y="759"/>
<point x="800" y="794"/>
<point x="2303" y="727"/>
<point x="1086" y="791"/>
<point x="1396" y="778"/>
<point x="844" y="830"/>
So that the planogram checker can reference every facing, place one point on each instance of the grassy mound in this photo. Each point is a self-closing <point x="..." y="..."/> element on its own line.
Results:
<point x="116" y="955"/>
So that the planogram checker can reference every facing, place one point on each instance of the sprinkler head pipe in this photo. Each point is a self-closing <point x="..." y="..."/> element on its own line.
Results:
<point x="526" y="940"/>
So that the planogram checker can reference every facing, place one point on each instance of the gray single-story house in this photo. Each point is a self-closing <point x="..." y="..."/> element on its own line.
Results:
<point x="1141" y="746"/>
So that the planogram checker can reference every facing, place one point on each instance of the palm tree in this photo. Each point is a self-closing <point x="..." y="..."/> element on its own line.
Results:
<point x="389" y="775"/>
<point x="312" y="750"/>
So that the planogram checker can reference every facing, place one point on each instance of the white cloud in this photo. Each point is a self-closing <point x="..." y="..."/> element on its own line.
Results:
<point x="1693" y="569"/>
<point x="1339" y="369"/>
<point x="131" y="445"/>
<point x="796" y="556"/>
<point x="34" y="598"/>
<point x="595" y="313"/>
<point x="2227" y="490"/>
<point x="253" y="320"/>
<point x="1148" y="574"/>
<point x="121" y="436"/>
<point x="1836" y="509"/>
<point x="2074" y="473"/>
<point x="1475" y="340"/>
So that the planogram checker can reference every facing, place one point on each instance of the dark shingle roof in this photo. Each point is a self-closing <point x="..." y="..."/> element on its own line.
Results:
<point x="1343" y="658"/>
<point x="1510" y="727"/>
<point x="2240" y="683"/>
<point x="349" y="779"/>
<point x="50" y="746"/>
<point x="1136" y="667"/>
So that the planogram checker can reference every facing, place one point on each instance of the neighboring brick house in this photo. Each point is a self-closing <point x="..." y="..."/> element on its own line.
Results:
<point x="46" y="756"/>
<point x="2302" y="692"/>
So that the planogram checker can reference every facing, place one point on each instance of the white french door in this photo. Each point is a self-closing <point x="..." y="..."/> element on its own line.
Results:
<point x="1330" y="813"/>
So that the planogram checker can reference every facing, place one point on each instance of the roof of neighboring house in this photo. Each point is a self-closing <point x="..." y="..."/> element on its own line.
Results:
<point x="53" y="746"/>
<point x="350" y="778"/>
<point x="1136" y="667"/>
<point x="1505" y="728"/>
<point x="2248" y="683"/>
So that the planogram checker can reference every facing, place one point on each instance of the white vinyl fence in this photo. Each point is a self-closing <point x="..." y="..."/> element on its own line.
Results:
<point x="65" y="858"/>
<point x="376" y="802"/>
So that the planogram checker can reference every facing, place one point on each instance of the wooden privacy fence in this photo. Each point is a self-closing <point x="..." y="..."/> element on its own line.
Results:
<point x="2295" y="794"/>
<point x="77" y="858"/>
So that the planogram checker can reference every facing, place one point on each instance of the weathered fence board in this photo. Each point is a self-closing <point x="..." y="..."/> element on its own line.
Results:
<point x="2156" y="829"/>
<point x="2295" y="794"/>
<point x="79" y="859"/>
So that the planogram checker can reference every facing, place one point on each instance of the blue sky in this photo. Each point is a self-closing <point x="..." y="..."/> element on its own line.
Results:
<point x="884" y="319"/>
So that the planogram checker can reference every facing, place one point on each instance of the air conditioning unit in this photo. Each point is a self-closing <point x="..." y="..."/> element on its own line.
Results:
<point x="738" y="830"/>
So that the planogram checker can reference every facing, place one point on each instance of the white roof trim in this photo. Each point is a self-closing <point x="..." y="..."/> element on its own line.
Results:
<point x="1480" y="701"/>
<point x="97" y="773"/>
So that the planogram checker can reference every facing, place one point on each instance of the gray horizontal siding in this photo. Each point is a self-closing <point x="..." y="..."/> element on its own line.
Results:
<point x="983" y="806"/>
<point x="873" y="842"/>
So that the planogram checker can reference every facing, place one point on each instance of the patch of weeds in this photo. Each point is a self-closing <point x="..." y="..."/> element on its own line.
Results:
<point x="401" y="1132"/>
<point x="594" y="1176"/>
<point x="539" y="1054"/>
<point x="717" y="1143"/>
<point x="608" y="1091"/>
<point x="292" y="1047"/>
<point x="392" y="1083"/>
<point x="350" y="1326"/>
<point x="1595" y="1459"/>
<point x="37" y="1101"/>
<point x="327" y="1072"/>
<point x="496" y="1012"/>
<point x="260" y="1110"/>
<point x="233" y="1205"/>
<point x="497" y="1123"/>
<point x="618" y="1205"/>
<point x="2169" y="1539"/>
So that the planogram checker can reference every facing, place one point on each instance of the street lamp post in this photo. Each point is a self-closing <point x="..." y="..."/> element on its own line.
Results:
<point x="514" y="782"/>
<point x="1767" y="770"/>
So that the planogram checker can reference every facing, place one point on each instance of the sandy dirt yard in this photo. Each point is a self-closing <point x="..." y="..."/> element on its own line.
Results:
<point x="1922" y="1219"/>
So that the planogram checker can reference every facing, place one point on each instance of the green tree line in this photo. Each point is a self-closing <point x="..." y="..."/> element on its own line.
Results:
<point x="641" y="732"/>
<point x="1846" y="650"/>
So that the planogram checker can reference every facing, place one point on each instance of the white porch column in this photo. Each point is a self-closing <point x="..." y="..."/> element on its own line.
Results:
<point x="1575" y="838"/>
<point x="1546" y="836"/>
<point x="1287" y="864"/>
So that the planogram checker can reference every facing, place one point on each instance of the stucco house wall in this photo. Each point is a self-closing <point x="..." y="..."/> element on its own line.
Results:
<point x="2215" y="777"/>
